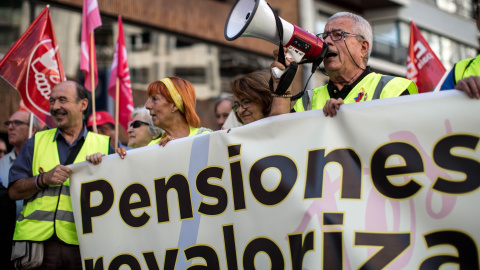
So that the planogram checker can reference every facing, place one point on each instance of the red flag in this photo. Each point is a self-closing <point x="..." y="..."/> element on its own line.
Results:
<point x="33" y="66"/>
<point x="120" y="70"/>
<point x="90" y="21"/>
<point x="423" y="66"/>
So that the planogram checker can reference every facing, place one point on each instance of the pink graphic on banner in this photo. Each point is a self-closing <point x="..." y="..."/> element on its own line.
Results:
<point x="376" y="218"/>
<point x="432" y="171"/>
<point x="317" y="207"/>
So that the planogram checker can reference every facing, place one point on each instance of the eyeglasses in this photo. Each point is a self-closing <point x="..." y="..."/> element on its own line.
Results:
<point x="137" y="124"/>
<point x="15" y="123"/>
<point x="336" y="35"/>
<point x="244" y="103"/>
<point x="3" y="152"/>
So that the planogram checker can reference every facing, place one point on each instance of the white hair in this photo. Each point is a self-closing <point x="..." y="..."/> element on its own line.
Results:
<point x="360" y="27"/>
<point x="145" y="114"/>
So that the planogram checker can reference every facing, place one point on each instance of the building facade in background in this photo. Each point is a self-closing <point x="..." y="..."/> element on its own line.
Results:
<point x="185" y="38"/>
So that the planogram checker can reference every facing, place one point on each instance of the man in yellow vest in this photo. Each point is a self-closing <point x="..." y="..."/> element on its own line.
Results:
<point x="40" y="176"/>
<point x="349" y="38"/>
<point x="465" y="75"/>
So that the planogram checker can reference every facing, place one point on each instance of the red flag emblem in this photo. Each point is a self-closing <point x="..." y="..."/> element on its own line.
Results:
<point x="423" y="66"/>
<point x="33" y="66"/>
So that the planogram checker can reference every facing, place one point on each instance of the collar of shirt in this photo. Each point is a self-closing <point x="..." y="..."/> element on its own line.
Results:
<point x="12" y="156"/>
<point x="335" y="93"/>
<point x="59" y="135"/>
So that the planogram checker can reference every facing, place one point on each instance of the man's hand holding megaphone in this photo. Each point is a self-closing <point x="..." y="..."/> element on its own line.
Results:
<point x="255" y="18"/>
<point x="281" y="103"/>
<point x="278" y="68"/>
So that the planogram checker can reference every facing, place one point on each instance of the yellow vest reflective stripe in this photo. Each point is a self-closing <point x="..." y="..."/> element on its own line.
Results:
<point x="372" y="86"/>
<point x="193" y="131"/>
<point x="50" y="210"/>
<point x="466" y="68"/>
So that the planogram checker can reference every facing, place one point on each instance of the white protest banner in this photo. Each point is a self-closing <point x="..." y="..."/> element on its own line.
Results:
<point x="385" y="184"/>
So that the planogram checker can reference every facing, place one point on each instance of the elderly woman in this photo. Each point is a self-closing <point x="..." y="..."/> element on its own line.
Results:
<point x="253" y="98"/>
<point x="171" y="102"/>
<point x="141" y="130"/>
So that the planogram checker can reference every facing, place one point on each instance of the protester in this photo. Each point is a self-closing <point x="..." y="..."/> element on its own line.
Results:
<point x="223" y="107"/>
<point x="3" y="148"/>
<point x="141" y="130"/>
<point x="349" y="38"/>
<point x="18" y="129"/>
<point x="7" y="212"/>
<point x="105" y="126"/>
<point x="465" y="75"/>
<point x="253" y="98"/>
<point x="171" y="102"/>
<point x="39" y="176"/>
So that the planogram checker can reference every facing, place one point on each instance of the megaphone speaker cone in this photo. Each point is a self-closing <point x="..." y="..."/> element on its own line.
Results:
<point x="239" y="18"/>
<point x="255" y="18"/>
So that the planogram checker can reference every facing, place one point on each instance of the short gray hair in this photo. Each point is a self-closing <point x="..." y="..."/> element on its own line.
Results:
<point x="360" y="26"/>
<point x="145" y="114"/>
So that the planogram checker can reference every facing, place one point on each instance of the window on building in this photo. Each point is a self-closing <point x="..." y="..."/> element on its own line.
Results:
<point x="389" y="43"/>
<point x="192" y="74"/>
<point x="460" y="7"/>
<point x="321" y="21"/>
<point x="140" y="75"/>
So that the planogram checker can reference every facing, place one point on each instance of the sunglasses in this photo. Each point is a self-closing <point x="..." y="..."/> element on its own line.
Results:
<point x="3" y="152"/>
<point x="15" y="123"/>
<point x="137" y="124"/>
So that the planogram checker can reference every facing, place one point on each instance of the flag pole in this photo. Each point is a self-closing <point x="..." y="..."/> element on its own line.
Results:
<point x="30" y="126"/>
<point x="117" y="106"/>
<point x="92" y="77"/>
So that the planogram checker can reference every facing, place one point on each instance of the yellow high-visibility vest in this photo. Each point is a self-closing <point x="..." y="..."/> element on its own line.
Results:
<point x="466" y="68"/>
<point x="50" y="210"/>
<point x="372" y="86"/>
<point x="193" y="131"/>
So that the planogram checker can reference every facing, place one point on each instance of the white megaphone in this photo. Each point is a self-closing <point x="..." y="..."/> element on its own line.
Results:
<point x="255" y="18"/>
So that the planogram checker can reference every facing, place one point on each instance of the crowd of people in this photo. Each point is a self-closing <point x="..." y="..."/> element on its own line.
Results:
<point x="36" y="173"/>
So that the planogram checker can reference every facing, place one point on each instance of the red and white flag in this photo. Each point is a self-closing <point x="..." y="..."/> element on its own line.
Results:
<point x="423" y="66"/>
<point x="120" y="71"/>
<point x="33" y="66"/>
<point x="90" y="21"/>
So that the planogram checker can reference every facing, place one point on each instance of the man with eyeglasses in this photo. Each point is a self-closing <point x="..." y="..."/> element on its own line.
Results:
<point x="40" y="176"/>
<point x="18" y="129"/>
<point x="349" y="38"/>
<point x="465" y="75"/>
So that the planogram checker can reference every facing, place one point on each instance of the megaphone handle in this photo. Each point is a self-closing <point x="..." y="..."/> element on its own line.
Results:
<point x="292" y="53"/>
<point x="277" y="73"/>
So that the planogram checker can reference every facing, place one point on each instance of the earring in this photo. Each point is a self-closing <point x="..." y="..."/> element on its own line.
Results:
<point x="173" y="110"/>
